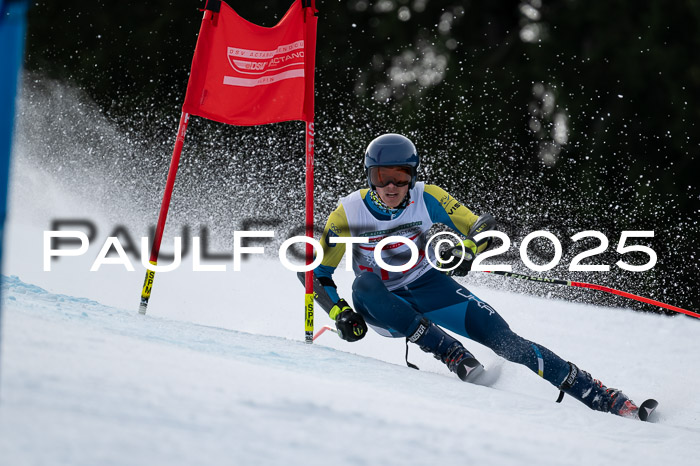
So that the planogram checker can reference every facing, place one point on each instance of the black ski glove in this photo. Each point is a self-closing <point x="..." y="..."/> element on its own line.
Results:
<point x="455" y="253"/>
<point x="351" y="326"/>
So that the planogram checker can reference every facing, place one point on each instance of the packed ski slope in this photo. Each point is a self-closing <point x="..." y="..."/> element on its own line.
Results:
<point x="217" y="372"/>
<point x="85" y="383"/>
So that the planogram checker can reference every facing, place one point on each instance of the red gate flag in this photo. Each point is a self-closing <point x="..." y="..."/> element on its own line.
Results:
<point x="245" y="74"/>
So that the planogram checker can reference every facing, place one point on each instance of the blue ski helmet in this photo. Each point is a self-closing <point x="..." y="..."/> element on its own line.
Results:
<point x="392" y="150"/>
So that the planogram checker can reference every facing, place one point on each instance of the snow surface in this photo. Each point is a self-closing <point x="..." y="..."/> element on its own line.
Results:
<point x="85" y="383"/>
<point x="217" y="372"/>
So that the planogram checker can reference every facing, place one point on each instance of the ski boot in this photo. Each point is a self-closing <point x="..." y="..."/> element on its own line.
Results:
<point x="432" y="339"/>
<point x="463" y="363"/>
<point x="591" y="392"/>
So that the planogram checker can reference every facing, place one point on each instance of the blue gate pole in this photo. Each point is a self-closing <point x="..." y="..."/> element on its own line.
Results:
<point x="13" y="18"/>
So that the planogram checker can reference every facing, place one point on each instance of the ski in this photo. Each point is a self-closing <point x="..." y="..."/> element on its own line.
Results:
<point x="647" y="408"/>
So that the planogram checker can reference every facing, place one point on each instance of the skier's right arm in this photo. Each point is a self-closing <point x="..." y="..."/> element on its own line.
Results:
<point x="337" y="225"/>
<point x="351" y="326"/>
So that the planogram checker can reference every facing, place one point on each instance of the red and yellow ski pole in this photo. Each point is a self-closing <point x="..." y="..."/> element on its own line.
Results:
<point x="592" y="286"/>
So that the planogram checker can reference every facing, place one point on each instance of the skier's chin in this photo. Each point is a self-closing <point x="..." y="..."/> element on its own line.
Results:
<point x="392" y="197"/>
<point x="392" y="200"/>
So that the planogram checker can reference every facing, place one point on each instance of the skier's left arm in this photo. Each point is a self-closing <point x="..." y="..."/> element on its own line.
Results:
<point x="445" y="209"/>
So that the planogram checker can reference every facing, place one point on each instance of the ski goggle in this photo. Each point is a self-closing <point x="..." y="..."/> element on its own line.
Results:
<point x="383" y="176"/>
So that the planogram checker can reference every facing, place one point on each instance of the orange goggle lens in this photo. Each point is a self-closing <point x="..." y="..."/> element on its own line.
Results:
<point x="384" y="176"/>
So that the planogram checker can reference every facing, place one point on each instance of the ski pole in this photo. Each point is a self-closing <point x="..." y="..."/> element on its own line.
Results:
<point x="592" y="286"/>
<point x="323" y="329"/>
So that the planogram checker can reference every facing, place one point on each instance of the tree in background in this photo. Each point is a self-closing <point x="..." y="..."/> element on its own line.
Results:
<point x="564" y="116"/>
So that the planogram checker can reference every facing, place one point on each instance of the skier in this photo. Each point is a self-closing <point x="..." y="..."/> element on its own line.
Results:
<point x="415" y="304"/>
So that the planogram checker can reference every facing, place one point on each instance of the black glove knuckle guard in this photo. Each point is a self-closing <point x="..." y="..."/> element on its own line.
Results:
<point x="351" y="326"/>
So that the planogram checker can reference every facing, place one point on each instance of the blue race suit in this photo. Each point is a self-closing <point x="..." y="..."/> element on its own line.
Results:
<point x="393" y="303"/>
